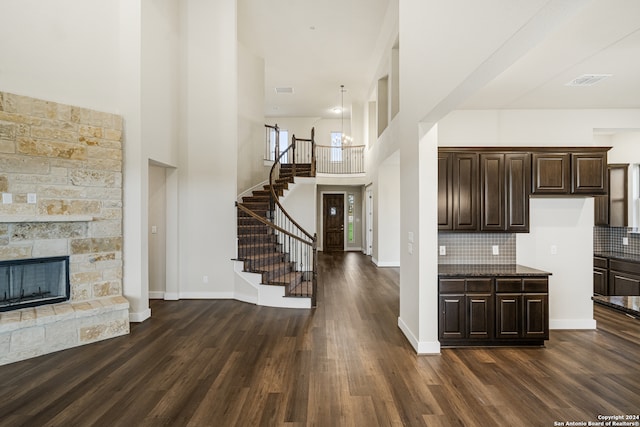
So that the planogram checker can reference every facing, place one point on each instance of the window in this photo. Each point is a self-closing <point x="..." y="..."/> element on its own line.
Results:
<point x="336" y="146"/>
<point x="350" y="212"/>
<point x="283" y="143"/>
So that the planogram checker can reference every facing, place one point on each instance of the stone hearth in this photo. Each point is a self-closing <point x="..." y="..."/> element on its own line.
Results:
<point x="61" y="170"/>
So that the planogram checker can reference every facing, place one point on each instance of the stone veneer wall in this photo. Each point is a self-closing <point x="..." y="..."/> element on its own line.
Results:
<point x="71" y="159"/>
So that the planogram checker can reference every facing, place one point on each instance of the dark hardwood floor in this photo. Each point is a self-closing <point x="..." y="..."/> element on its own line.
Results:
<point x="346" y="363"/>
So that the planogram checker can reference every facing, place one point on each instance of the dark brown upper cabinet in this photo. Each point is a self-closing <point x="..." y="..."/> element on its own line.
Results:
<point x="589" y="173"/>
<point x="504" y="191"/>
<point x="488" y="188"/>
<point x="617" y="199"/>
<point x="570" y="172"/>
<point x="551" y="173"/>
<point x="445" y="194"/>
<point x="465" y="191"/>
<point x="612" y="209"/>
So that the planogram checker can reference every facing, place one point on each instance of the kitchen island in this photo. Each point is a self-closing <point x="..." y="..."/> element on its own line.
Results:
<point x="492" y="305"/>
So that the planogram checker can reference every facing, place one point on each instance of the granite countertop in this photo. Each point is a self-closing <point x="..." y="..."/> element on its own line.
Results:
<point x="471" y="270"/>
<point x="618" y="255"/>
<point x="626" y="304"/>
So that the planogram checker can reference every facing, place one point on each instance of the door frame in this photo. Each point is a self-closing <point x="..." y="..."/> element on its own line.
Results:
<point x="344" y="219"/>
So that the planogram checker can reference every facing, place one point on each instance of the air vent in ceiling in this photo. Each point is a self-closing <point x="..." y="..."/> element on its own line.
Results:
<point x="284" y="90"/>
<point x="587" y="79"/>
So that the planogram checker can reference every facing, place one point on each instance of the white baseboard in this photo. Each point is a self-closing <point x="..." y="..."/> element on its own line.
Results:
<point x="569" y="324"/>
<point x="385" y="263"/>
<point x="206" y="295"/>
<point x="421" y="347"/>
<point x="156" y="295"/>
<point x="140" y="317"/>
<point x="171" y="296"/>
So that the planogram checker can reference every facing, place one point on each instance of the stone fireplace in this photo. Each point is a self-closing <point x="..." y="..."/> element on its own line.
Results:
<point x="61" y="185"/>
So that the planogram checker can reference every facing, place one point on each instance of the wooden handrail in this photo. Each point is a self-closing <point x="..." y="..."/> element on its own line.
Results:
<point x="275" y="196"/>
<point x="272" y="225"/>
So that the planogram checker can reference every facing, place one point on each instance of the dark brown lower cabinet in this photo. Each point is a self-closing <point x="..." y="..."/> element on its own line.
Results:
<point x="612" y="276"/>
<point x="600" y="276"/>
<point x="493" y="311"/>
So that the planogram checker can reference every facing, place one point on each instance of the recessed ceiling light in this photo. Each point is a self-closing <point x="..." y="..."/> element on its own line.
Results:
<point x="587" y="79"/>
<point x="284" y="90"/>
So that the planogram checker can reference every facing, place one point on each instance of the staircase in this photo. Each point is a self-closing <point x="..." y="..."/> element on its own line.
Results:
<point x="270" y="243"/>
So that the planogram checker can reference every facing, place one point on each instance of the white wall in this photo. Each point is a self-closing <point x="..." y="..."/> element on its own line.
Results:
<point x="56" y="51"/>
<point x="563" y="226"/>
<point x="386" y="241"/>
<point x="208" y="149"/>
<point x="251" y="121"/>
<point x="157" y="240"/>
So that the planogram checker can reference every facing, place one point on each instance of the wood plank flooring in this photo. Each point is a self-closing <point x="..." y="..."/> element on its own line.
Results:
<point x="346" y="363"/>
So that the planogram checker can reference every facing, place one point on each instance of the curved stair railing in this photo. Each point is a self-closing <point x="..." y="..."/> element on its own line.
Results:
<point x="270" y="241"/>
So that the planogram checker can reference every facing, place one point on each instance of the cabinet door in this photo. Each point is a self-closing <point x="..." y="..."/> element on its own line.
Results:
<point x="601" y="210"/>
<point x="589" y="173"/>
<point x="445" y="196"/>
<point x="617" y="200"/>
<point x="535" y="322"/>
<point x="452" y="316"/>
<point x="600" y="281"/>
<point x="623" y="283"/>
<point x="492" y="192"/>
<point x="480" y="316"/>
<point x="551" y="173"/>
<point x="508" y="315"/>
<point x="465" y="191"/>
<point x="518" y="183"/>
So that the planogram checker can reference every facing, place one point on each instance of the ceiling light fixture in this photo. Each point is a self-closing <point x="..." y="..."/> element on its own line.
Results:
<point x="345" y="139"/>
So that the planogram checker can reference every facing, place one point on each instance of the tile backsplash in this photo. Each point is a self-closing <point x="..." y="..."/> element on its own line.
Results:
<point x="610" y="239"/>
<point x="477" y="248"/>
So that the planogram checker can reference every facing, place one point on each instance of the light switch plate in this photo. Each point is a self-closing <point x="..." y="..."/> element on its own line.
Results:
<point x="625" y="241"/>
<point x="495" y="249"/>
<point x="31" y="198"/>
<point x="7" y="198"/>
<point x="443" y="250"/>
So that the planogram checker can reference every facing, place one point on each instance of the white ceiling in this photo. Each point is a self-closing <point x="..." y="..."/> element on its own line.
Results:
<point x="604" y="38"/>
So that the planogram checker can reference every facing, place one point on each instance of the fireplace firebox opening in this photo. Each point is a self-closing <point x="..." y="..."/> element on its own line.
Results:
<point x="32" y="282"/>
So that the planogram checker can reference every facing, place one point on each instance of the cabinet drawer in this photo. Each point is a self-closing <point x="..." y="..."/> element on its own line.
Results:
<point x="451" y="286"/>
<point x="508" y="285"/>
<point x="629" y="266"/>
<point x="479" y="285"/>
<point x="538" y="284"/>
<point x="600" y="262"/>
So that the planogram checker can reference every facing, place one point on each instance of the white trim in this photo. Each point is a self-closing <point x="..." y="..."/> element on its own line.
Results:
<point x="140" y="317"/>
<point x="206" y="295"/>
<point x="354" y="249"/>
<point x="421" y="347"/>
<point x="251" y="299"/>
<point x="156" y="294"/>
<point x="569" y="324"/>
<point x="171" y="296"/>
<point x="385" y="263"/>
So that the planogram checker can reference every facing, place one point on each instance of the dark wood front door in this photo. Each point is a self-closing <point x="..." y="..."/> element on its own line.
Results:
<point x="333" y="222"/>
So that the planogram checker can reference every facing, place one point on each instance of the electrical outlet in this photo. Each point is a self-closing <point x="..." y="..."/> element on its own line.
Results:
<point x="31" y="198"/>
<point x="205" y="279"/>
<point x="411" y="236"/>
<point x="443" y="250"/>
<point x="554" y="249"/>
<point x="7" y="198"/>
<point x="495" y="249"/>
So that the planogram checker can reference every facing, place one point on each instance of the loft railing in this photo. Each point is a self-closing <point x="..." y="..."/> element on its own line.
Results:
<point x="340" y="160"/>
